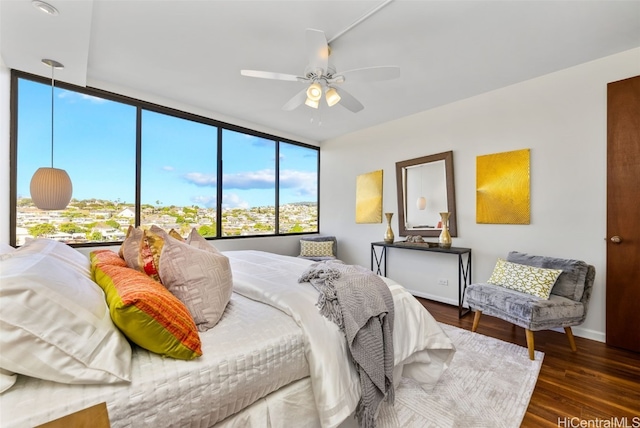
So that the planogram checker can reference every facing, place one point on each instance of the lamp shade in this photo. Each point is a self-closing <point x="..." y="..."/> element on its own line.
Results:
<point x="421" y="203"/>
<point x="314" y="91"/>
<point x="332" y="97"/>
<point x="312" y="103"/>
<point x="51" y="188"/>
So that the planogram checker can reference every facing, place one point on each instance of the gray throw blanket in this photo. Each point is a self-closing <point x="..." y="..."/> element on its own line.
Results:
<point x="360" y="303"/>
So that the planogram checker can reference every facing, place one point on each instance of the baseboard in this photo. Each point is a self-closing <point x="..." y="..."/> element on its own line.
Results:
<point x="587" y="333"/>
<point x="433" y="297"/>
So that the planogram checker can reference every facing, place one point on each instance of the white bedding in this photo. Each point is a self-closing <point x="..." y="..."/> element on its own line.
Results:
<point x="422" y="350"/>
<point x="278" y="364"/>
<point x="238" y="367"/>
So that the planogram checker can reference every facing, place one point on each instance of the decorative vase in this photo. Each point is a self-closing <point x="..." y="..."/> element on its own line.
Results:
<point x="388" y="235"/>
<point x="444" y="241"/>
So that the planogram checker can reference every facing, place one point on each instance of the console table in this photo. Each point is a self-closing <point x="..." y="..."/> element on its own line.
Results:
<point x="464" y="266"/>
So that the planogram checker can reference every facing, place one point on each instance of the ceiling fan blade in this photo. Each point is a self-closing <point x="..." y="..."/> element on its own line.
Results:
<point x="317" y="50"/>
<point x="372" y="74"/>
<point x="271" y="75"/>
<point x="348" y="101"/>
<point x="297" y="100"/>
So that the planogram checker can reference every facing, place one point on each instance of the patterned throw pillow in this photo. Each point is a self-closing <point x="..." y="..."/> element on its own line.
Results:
<point x="175" y="234"/>
<point x="526" y="279"/>
<point x="142" y="247"/>
<point x="145" y="311"/>
<point x="196" y="240"/>
<point x="200" y="278"/>
<point x="316" y="248"/>
<point x="131" y="242"/>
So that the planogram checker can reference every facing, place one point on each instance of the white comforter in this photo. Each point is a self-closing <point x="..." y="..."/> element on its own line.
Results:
<point x="253" y="351"/>
<point x="422" y="350"/>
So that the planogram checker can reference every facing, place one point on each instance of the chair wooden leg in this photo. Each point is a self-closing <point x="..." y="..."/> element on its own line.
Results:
<point x="572" y="340"/>
<point x="476" y="320"/>
<point x="529" y="335"/>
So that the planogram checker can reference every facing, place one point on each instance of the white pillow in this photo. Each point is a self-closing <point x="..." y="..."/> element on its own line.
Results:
<point x="58" y="250"/>
<point x="5" y="248"/>
<point x="55" y="323"/>
<point x="7" y="379"/>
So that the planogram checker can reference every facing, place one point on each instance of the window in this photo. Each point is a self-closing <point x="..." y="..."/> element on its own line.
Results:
<point x="248" y="184"/>
<point x="95" y="142"/>
<point x="135" y="163"/>
<point x="298" y="189"/>
<point x="178" y="174"/>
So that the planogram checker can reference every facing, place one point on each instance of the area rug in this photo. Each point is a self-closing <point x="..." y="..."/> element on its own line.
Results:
<point x="489" y="385"/>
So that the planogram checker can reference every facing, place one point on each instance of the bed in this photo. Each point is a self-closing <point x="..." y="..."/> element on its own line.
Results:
<point x="272" y="360"/>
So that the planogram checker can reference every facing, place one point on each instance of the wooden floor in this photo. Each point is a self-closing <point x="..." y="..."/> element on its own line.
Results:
<point x="598" y="384"/>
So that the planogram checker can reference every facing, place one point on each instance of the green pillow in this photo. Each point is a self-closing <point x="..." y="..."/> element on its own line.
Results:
<point x="526" y="279"/>
<point x="144" y="310"/>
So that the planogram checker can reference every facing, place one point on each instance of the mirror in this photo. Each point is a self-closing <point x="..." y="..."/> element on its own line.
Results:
<point x="425" y="189"/>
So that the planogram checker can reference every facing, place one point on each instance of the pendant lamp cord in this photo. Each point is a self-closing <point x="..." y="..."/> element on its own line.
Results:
<point x="52" y="86"/>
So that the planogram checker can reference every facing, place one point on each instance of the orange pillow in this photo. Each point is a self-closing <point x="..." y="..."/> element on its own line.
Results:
<point x="144" y="310"/>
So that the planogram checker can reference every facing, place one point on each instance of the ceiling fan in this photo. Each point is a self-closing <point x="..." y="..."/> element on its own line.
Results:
<point x="322" y="77"/>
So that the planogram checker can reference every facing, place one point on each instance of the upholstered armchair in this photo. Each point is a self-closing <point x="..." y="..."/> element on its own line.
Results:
<point x="319" y="248"/>
<point x="566" y="306"/>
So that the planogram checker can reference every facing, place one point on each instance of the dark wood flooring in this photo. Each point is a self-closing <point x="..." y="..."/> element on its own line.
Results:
<point x="597" y="384"/>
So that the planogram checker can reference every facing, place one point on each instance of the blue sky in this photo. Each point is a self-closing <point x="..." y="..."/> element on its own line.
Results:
<point x="94" y="141"/>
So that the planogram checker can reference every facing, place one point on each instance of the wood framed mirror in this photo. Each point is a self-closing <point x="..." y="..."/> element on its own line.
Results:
<point x="425" y="188"/>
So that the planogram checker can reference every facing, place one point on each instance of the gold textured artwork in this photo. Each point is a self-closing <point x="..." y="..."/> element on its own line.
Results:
<point x="502" y="188"/>
<point x="369" y="197"/>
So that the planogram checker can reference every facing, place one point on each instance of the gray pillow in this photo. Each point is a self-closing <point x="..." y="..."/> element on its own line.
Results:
<point x="200" y="278"/>
<point x="570" y="283"/>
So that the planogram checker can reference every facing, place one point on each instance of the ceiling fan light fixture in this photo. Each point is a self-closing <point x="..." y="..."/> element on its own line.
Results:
<point x="314" y="91"/>
<point x="332" y="97"/>
<point x="45" y="7"/>
<point x="312" y="103"/>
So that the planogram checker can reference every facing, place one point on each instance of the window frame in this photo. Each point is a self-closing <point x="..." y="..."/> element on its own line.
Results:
<point x="141" y="105"/>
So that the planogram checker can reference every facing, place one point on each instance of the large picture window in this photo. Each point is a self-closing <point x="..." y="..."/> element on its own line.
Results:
<point x="135" y="163"/>
<point x="248" y="185"/>
<point x="178" y="174"/>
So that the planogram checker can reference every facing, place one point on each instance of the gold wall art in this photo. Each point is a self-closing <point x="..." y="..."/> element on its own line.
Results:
<point x="369" y="197"/>
<point x="503" y="188"/>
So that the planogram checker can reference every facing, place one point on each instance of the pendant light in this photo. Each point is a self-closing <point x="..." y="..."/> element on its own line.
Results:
<point x="51" y="187"/>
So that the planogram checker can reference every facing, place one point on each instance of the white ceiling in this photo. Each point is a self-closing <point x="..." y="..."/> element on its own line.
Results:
<point x="192" y="51"/>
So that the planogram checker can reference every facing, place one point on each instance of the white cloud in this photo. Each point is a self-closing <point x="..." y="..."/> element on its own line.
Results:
<point x="76" y="96"/>
<point x="204" y="200"/>
<point x="301" y="182"/>
<point x="232" y="200"/>
<point x="200" y="179"/>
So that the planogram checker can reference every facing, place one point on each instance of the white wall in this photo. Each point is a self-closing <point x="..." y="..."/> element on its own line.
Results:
<point x="561" y="117"/>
